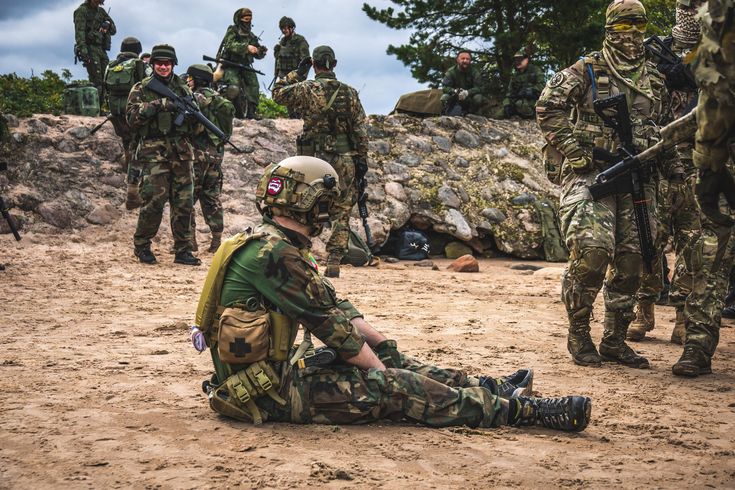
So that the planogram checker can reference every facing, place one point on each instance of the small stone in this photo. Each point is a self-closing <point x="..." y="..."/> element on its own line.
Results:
<point x="418" y="144"/>
<point x="461" y="163"/>
<point x="396" y="172"/>
<point x="410" y="160"/>
<point x="465" y="138"/>
<point x="396" y="191"/>
<point x="381" y="147"/>
<point x="442" y="143"/>
<point x="549" y="273"/>
<point x="391" y="260"/>
<point x="424" y="263"/>
<point x="37" y="127"/>
<point x="448" y="197"/>
<point x="493" y="215"/>
<point x="465" y="263"/>
<point x="67" y="145"/>
<point x="525" y="267"/>
<point x="79" y="132"/>
<point x="56" y="214"/>
<point x="455" y="250"/>
<point x="103" y="215"/>
<point x="12" y="120"/>
<point x="501" y="152"/>
<point x="524" y="198"/>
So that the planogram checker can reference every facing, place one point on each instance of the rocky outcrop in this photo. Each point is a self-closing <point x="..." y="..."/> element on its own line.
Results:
<point x="468" y="180"/>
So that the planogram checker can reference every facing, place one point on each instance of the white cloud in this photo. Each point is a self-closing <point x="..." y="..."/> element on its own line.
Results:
<point x="45" y="38"/>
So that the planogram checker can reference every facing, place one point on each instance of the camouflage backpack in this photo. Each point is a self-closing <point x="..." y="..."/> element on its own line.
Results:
<point x="120" y="77"/>
<point x="81" y="99"/>
<point x="358" y="252"/>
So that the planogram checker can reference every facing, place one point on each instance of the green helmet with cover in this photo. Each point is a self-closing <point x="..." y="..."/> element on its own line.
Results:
<point x="131" y="45"/>
<point x="303" y="188"/>
<point x="324" y="56"/>
<point x="286" y="22"/>
<point x="201" y="72"/>
<point x="164" y="52"/>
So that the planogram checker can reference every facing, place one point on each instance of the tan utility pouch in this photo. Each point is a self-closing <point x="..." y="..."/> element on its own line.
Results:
<point x="553" y="160"/>
<point x="243" y="336"/>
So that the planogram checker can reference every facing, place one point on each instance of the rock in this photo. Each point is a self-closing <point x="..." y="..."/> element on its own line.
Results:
<point x="79" y="132"/>
<point x="455" y="250"/>
<point x="448" y="197"/>
<point x="28" y="199"/>
<point x="103" y="215"/>
<point x="18" y="221"/>
<point x="410" y="159"/>
<point x="465" y="138"/>
<point x="424" y="263"/>
<point x="397" y="212"/>
<point x="67" y="145"/>
<point x="418" y="143"/>
<point x="396" y="191"/>
<point x="12" y="120"/>
<point x="457" y="225"/>
<point x="501" y="152"/>
<point x="37" y="127"/>
<point x="493" y="215"/>
<point x="554" y="273"/>
<point x="381" y="147"/>
<point x="79" y="201"/>
<point x="114" y="180"/>
<point x="442" y="143"/>
<point x="56" y="213"/>
<point x="461" y="163"/>
<point x="397" y="172"/>
<point x="465" y="263"/>
<point x="523" y="199"/>
<point x="526" y="267"/>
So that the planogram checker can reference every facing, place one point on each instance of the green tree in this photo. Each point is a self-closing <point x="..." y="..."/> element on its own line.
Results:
<point x="35" y="95"/>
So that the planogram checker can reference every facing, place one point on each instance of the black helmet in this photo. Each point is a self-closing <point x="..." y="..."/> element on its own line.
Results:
<point x="131" y="45"/>
<point x="286" y="22"/>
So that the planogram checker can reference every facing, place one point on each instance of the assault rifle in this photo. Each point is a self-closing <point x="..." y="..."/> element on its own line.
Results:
<point x="627" y="176"/>
<point x="678" y="75"/>
<point x="9" y="219"/>
<point x="361" y="169"/>
<point x="187" y="107"/>
<point x="232" y="64"/>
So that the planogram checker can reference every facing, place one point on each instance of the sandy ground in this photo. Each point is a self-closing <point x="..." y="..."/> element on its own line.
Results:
<point x="101" y="388"/>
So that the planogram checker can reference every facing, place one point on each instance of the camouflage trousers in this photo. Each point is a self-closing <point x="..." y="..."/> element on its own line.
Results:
<point x="165" y="181"/>
<point x="525" y="108"/>
<point x="345" y="167"/>
<point x="243" y="91"/>
<point x="96" y="68"/>
<point x="208" y="187"/>
<point x="343" y="394"/>
<point x="712" y="260"/>
<point x="678" y="220"/>
<point x="471" y="105"/>
<point x="600" y="234"/>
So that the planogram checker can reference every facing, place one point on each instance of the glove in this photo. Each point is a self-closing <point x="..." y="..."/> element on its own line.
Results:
<point x="709" y="186"/>
<point x="508" y="110"/>
<point x="163" y="104"/>
<point x="580" y="165"/>
<point x="303" y="68"/>
<point x="462" y="95"/>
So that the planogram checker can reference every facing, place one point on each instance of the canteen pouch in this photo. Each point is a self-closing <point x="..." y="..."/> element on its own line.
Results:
<point x="243" y="336"/>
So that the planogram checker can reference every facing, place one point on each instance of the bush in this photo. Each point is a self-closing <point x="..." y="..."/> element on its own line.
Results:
<point x="35" y="95"/>
<point x="268" y="109"/>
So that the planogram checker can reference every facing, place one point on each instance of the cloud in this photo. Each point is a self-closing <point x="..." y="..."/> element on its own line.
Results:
<point x="42" y="37"/>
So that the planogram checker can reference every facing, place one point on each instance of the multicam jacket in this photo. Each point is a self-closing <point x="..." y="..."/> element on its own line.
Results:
<point x="331" y="110"/>
<point x="87" y="23"/>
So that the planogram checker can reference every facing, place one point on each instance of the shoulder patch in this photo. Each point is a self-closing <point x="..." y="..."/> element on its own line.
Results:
<point x="557" y="80"/>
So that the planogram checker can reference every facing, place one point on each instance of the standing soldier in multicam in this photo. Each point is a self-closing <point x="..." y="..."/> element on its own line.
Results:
<point x="602" y="234"/>
<point x="164" y="152"/>
<point x="263" y="284"/>
<point x="677" y="209"/>
<point x="120" y="76"/>
<point x="241" y="46"/>
<point x="335" y="130"/>
<point x="209" y="151"/>
<point x="524" y="88"/>
<point x="712" y="257"/>
<point x="291" y="49"/>
<point x="93" y="31"/>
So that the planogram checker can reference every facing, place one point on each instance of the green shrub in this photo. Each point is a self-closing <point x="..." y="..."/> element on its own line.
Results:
<point x="35" y="95"/>
<point x="268" y="109"/>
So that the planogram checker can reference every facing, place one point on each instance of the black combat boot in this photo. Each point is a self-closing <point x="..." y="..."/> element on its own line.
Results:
<point x="613" y="347"/>
<point x="692" y="363"/>
<point x="569" y="413"/>
<point x="186" y="258"/>
<point x="216" y="241"/>
<point x="580" y="345"/>
<point x="519" y="383"/>
<point x="145" y="255"/>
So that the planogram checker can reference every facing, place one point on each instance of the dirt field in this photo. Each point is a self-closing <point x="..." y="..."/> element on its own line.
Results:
<point x="101" y="387"/>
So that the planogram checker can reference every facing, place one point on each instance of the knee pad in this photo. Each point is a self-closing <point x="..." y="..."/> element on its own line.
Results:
<point x="591" y="266"/>
<point x="628" y="272"/>
<point x="232" y="92"/>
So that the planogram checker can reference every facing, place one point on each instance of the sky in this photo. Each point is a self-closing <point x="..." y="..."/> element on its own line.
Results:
<point x="39" y="35"/>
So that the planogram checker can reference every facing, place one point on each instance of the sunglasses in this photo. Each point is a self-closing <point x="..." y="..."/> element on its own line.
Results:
<point x="629" y="25"/>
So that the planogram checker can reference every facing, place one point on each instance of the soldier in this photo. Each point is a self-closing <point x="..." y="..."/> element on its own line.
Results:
<point x="267" y="280"/>
<point x="164" y="151"/>
<point x="335" y="130"/>
<point x="209" y="152"/>
<point x="602" y="234"/>
<point x="524" y="88"/>
<point x="291" y="49"/>
<point x="93" y="31"/>
<point x="120" y="77"/>
<point x="713" y="252"/>
<point x="678" y="213"/>
<point x="241" y="46"/>
<point x="462" y="86"/>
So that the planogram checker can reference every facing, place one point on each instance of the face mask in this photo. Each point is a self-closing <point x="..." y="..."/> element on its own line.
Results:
<point x="625" y="47"/>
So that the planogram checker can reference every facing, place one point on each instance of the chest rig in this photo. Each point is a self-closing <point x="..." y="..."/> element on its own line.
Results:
<point x="332" y="135"/>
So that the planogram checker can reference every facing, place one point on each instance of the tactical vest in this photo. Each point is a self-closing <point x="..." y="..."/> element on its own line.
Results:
<point x="220" y="111"/>
<point x="288" y="55"/>
<point x="338" y="114"/>
<point x="162" y="124"/>
<point x="94" y="18"/>
<point x="243" y="374"/>
<point x="120" y="77"/>
<point x="589" y="129"/>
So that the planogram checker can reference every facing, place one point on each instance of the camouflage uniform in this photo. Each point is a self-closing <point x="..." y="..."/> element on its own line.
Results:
<point x="91" y="44"/>
<point x="471" y="80"/>
<point x="713" y="252"/>
<point x="165" y="154"/>
<point x="335" y="130"/>
<point x="524" y="88"/>
<point x="602" y="234"/>
<point x="288" y="53"/>
<point x="242" y="86"/>
<point x="209" y="152"/>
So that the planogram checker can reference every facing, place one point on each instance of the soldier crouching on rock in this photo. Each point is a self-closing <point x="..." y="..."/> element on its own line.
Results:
<point x="264" y="283"/>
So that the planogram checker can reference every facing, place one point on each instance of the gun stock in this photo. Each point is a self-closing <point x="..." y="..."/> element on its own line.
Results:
<point x="232" y="64"/>
<point x="9" y="219"/>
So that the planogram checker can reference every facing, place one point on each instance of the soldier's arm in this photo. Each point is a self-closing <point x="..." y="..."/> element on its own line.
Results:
<point x="477" y="83"/>
<point x="448" y="83"/>
<point x="562" y="93"/>
<point x="359" y="126"/>
<point x="232" y="45"/>
<point x="305" y="97"/>
<point x="262" y="50"/>
<point x="303" y="49"/>
<point x="138" y="111"/>
<point x="113" y="28"/>
<point x="80" y="28"/>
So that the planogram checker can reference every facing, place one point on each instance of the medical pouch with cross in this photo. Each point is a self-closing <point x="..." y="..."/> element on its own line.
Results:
<point x="243" y="336"/>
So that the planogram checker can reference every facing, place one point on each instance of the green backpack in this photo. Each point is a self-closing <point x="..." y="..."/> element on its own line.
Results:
<point x="358" y="253"/>
<point x="81" y="99"/>
<point x="119" y="79"/>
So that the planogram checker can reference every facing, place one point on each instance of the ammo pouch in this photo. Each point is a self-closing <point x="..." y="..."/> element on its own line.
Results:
<point x="553" y="160"/>
<point x="164" y="122"/>
<point x="236" y="397"/>
<point x="243" y="336"/>
<point x="339" y="144"/>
